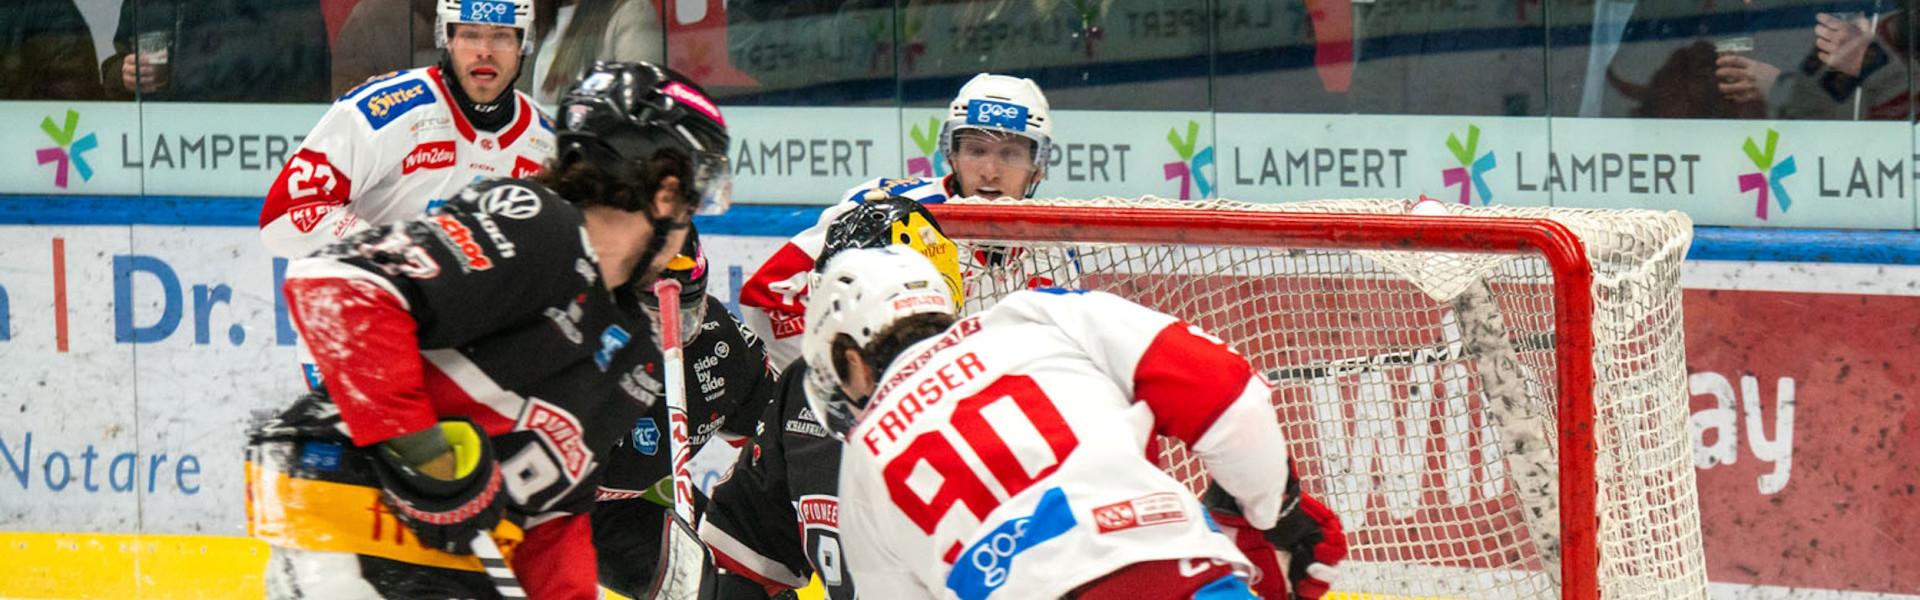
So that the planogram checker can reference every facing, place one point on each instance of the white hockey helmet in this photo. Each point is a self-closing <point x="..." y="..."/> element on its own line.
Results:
<point x="1003" y="104"/>
<point x="506" y="13"/>
<point x="859" y="293"/>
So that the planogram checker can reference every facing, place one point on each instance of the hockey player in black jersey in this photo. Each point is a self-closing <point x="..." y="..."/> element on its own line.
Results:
<point x="729" y="384"/>
<point x="478" y="366"/>
<point x="773" y="520"/>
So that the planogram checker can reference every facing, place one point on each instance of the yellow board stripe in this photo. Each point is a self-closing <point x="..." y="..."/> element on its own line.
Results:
<point x="151" y="567"/>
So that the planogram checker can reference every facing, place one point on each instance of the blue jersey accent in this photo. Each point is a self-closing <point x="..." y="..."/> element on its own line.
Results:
<point x="1012" y="117"/>
<point x="545" y="123"/>
<point x="646" y="436"/>
<point x="492" y="12"/>
<point x="320" y="456"/>
<point x="1058" y="291"/>
<point x="611" y="341"/>
<point x="1231" y="587"/>
<point x="383" y="106"/>
<point x="312" y="372"/>
<point x="982" y="567"/>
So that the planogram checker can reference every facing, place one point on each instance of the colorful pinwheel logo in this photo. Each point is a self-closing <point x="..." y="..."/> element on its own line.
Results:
<point x="1191" y="168"/>
<point x="67" y="150"/>
<point x="931" y="162"/>
<point x="1471" y="169"/>
<point x="1769" y="175"/>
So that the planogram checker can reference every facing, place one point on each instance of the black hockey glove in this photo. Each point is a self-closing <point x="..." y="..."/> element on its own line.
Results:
<point x="444" y="513"/>
<point x="1307" y="540"/>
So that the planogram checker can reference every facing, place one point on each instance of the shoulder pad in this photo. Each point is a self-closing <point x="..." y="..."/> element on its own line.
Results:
<point x="368" y="84"/>
<point x="516" y="199"/>
<point x="384" y="105"/>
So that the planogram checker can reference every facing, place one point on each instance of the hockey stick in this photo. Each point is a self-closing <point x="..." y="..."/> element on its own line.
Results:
<point x="682" y="557"/>
<point x="496" y="566"/>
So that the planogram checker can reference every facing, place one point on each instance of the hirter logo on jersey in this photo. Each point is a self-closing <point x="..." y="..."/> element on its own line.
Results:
<point x="383" y="106"/>
<point x="1151" y="509"/>
<point x="431" y="155"/>
<point x="561" y="431"/>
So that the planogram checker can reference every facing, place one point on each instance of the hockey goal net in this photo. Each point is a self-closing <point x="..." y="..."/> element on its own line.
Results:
<point x="1493" y="400"/>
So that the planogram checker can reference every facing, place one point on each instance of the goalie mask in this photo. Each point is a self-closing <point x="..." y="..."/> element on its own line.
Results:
<point x="619" y="116"/>
<point x="690" y="269"/>
<point x="861" y="293"/>
<point x="894" y="220"/>
<point x="517" y="14"/>
<point x="1001" y="105"/>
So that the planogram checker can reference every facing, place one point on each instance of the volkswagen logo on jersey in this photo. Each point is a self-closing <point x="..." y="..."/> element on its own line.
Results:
<point x="1012" y="117"/>
<point x="487" y="11"/>
<point x="511" y="201"/>
<point x="646" y="436"/>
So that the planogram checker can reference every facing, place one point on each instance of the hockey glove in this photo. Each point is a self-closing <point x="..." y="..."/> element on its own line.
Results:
<point x="445" y="509"/>
<point x="1307" y="540"/>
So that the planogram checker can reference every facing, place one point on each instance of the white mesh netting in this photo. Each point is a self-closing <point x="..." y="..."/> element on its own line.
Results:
<point x="1417" y="388"/>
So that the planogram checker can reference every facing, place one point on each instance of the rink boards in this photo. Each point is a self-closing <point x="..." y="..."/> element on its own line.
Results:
<point x="134" y="356"/>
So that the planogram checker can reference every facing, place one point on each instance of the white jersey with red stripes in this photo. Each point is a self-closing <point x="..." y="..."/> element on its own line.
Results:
<point x="390" y="150"/>
<point x="773" y="300"/>
<point x="1009" y="456"/>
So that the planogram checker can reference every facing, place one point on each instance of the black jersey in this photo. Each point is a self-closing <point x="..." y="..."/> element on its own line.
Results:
<point x="512" y="328"/>
<point x="775" y="518"/>
<point x="729" y="384"/>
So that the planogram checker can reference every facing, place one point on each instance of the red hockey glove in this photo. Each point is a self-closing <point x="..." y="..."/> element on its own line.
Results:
<point x="444" y="513"/>
<point x="1307" y="544"/>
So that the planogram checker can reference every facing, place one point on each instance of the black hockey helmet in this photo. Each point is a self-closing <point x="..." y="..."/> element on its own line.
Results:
<point x="689" y="268"/>
<point x="625" y="113"/>
<point x="880" y="221"/>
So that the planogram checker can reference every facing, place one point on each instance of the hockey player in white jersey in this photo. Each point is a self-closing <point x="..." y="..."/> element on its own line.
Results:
<point x="403" y="142"/>
<point x="1005" y="455"/>
<point x="997" y="138"/>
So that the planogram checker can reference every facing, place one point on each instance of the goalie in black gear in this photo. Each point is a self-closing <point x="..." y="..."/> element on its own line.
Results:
<point x="729" y="384"/>
<point x="773" y="520"/>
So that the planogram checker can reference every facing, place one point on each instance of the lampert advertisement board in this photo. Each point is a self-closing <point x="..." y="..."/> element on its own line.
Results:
<point x="155" y="149"/>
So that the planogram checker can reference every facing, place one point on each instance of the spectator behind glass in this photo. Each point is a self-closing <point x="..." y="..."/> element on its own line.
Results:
<point x="380" y="37"/>
<point x="1857" y="69"/>
<point x="46" y="52"/>
<point x="219" y="51"/>
<point x="573" y="34"/>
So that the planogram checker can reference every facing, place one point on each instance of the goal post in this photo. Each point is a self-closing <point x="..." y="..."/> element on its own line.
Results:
<point x="1493" y="400"/>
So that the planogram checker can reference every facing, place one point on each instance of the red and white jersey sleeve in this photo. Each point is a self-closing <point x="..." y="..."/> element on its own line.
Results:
<point x="773" y="300"/>
<point x="389" y="150"/>
<point x="1008" y="457"/>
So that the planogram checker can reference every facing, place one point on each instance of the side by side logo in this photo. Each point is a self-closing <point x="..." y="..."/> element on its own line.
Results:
<point x="66" y="150"/>
<point x="1471" y="169"/>
<point x="1769" y="175"/>
<point x="932" y="162"/>
<point x="1191" y="168"/>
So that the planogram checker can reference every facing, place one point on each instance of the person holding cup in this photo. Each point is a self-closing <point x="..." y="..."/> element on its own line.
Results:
<point x="219" y="51"/>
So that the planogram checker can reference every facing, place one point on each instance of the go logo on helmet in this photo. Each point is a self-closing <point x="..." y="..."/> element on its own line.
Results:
<point x="486" y="11"/>
<point x="997" y="114"/>
<point x="983" y="567"/>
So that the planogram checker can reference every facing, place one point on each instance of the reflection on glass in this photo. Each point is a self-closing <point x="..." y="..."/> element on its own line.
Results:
<point x="575" y="33"/>
<point x="220" y="51"/>
<point x="1761" y="59"/>
<point x="46" y="52"/>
